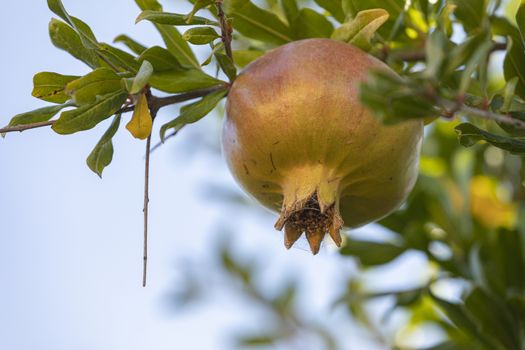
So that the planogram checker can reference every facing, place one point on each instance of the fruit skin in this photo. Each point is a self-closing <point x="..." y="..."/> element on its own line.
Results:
<point x="297" y="139"/>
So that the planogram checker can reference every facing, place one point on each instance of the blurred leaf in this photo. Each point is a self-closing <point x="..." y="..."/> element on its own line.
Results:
<point x="38" y="115"/>
<point x="193" y="112"/>
<point x="393" y="7"/>
<point x="478" y="57"/>
<point x="101" y="156"/>
<point x="334" y="7"/>
<point x="394" y="99"/>
<point x="172" y="38"/>
<point x="161" y="59"/>
<point x="141" y="122"/>
<point x="514" y="64"/>
<point x="88" y="116"/>
<point x="118" y="57"/>
<point x="174" y="81"/>
<point x="290" y="9"/>
<point x="49" y="86"/>
<point x="371" y="253"/>
<point x="469" y="135"/>
<point x="360" y="30"/>
<point x="227" y="66"/>
<point x="520" y="20"/>
<point x="142" y="77"/>
<point x="493" y="317"/>
<point x="244" y="57"/>
<point x="459" y="316"/>
<point x="256" y="23"/>
<point x="435" y="48"/>
<point x="310" y="24"/>
<point x="452" y="345"/>
<point x="85" y="90"/>
<point x="200" y="35"/>
<point x="259" y="339"/>
<point x="173" y="19"/>
<point x="133" y="45"/>
<point x="471" y="13"/>
<point x="65" y="38"/>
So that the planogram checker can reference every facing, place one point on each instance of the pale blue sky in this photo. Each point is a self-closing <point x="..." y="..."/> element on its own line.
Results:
<point x="70" y="267"/>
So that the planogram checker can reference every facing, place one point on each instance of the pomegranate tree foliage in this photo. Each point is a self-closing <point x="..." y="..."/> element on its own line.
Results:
<point x="467" y="202"/>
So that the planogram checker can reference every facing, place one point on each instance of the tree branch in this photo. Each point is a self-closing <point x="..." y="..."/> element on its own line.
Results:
<point x="226" y="30"/>
<point x="502" y="118"/>
<point x="155" y="103"/>
<point x="145" y="210"/>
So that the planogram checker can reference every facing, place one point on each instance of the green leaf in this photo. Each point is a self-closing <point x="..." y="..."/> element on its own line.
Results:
<point x="514" y="63"/>
<point x="141" y="122"/>
<point x="173" y="19"/>
<point x="180" y="81"/>
<point x="291" y="10"/>
<point x="99" y="82"/>
<point x="310" y="24"/>
<point x="49" y="86"/>
<point x="394" y="99"/>
<point x="334" y="7"/>
<point x="435" y="50"/>
<point x="142" y="78"/>
<point x="471" y="13"/>
<point x="161" y="59"/>
<point x="193" y="112"/>
<point x="172" y="38"/>
<point x="244" y="57"/>
<point x="371" y="253"/>
<point x="198" y="5"/>
<point x="85" y="33"/>
<point x="38" y="115"/>
<point x="101" y="156"/>
<point x="360" y="30"/>
<point x="65" y="38"/>
<point x="200" y="35"/>
<point x="395" y="8"/>
<point x="493" y="317"/>
<point x="458" y="315"/>
<point x="478" y="58"/>
<point x="119" y="58"/>
<point x="469" y="135"/>
<point x="227" y="66"/>
<point x="257" y="23"/>
<point x="88" y="116"/>
<point x="520" y="20"/>
<point x="133" y="45"/>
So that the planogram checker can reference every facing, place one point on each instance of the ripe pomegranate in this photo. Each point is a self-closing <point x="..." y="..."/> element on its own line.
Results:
<point x="298" y="140"/>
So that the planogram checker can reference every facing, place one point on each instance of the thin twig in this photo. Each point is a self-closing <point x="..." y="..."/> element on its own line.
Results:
<point x="160" y="143"/>
<point x="226" y="29"/>
<point x="502" y="118"/>
<point x="145" y="210"/>
<point x="21" y="128"/>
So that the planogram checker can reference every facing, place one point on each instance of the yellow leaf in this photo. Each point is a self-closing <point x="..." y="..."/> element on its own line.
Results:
<point x="487" y="206"/>
<point x="140" y="124"/>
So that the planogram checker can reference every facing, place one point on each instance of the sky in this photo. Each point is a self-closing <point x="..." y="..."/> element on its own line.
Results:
<point x="71" y="266"/>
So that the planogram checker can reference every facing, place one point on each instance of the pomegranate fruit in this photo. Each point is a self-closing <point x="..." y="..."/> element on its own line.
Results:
<point x="298" y="140"/>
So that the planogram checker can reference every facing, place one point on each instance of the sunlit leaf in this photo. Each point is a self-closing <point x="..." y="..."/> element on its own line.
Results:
<point x="360" y="30"/>
<point x="141" y="122"/>
<point x="38" y="115"/>
<point x="161" y="59"/>
<point x="49" y="86"/>
<point x="244" y="57"/>
<point x="142" y="77"/>
<point x="174" y="81"/>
